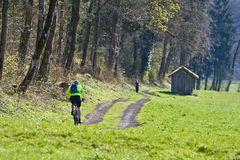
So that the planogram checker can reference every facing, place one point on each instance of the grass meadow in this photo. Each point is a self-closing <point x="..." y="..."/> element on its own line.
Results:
<point x="204" y="126"/>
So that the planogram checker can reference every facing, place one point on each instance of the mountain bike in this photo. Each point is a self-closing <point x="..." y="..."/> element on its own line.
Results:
<point x="76" y="115"/>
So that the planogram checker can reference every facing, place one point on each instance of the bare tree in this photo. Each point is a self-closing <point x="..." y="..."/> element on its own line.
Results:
<point x="3" y="42"/>
<point x="164" y="58"/>
<point x="96" y="36"/>
<point x="61" y="30"/>
<point x="46" y="58"/>
<point x="25" y="34"/>
<point x="87" y="34"/>
<point x="40" y="19"/>
<point x="112" y="48"/>
<point x="34" y="66"/>
<point x="232" y="67"/>
<point x="71" y="35"/>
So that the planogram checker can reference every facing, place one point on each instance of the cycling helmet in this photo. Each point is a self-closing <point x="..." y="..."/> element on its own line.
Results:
<point x="76" y="82"/>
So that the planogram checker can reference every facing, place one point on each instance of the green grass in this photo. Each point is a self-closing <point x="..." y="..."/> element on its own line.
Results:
<point x="172" y="127"/>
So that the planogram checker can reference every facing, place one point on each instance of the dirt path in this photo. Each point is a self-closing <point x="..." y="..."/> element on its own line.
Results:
<point x="150" y="93"/>
<point x="130" y="114"/>
<point x="97" y="115"/>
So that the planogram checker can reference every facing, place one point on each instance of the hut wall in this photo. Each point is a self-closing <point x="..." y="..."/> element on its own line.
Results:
<point x="182" y="83"/>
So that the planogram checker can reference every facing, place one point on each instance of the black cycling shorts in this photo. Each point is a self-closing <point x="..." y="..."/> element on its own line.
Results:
<point x="76" y="100"/>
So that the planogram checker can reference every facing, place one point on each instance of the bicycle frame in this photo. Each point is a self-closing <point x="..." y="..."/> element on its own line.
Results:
<point x="76" y="115"/>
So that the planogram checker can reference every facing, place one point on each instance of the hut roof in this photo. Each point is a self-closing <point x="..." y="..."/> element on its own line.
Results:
<point x="186" y="70"/>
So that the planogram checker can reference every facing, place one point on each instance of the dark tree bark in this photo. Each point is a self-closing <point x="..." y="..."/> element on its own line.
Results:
<point x="3" y="42"/>
<point x="117" y="46"/>
<point x="25" y="34"/>
<point x="61" y="30"/>
<point x="217" y="77"/>
<point x="183" y="57"/>
<point x="66" y="48"/>
<point x="96" y="37"/>
<point x="40" y="25"/>
<point x="34" y="66"/>
<point x="135" y="56"/>
<point x="169" y="56"/>
<point x="206" y="83"/>
<point x="198" y="87"/>
<point x="71" y="36"/>
<point x="214" y="81"/>
<point x="232" y="67"/>
<point x="87" y="34"/>
<point x="112" y="49"/>
<point x="218" y="82"/>
<point x="40" y="19"/>
<point x="46" y="59"/>
<point x="219" y="85"/>
<point x="164" y="57"/>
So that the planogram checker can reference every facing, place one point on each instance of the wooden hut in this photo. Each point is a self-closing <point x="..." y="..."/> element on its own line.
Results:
<point x="183" y="81"/>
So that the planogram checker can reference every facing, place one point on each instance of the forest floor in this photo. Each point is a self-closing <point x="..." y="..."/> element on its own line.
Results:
<point x="121" y="124"/>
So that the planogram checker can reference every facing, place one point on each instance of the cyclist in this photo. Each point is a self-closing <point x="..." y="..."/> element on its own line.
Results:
<point x="76" y="95"/>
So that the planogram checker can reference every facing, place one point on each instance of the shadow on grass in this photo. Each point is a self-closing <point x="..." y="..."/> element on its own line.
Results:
<point x="174" y="94"/>
<point x="150" y="93"/>
<point x="167" y="92"/>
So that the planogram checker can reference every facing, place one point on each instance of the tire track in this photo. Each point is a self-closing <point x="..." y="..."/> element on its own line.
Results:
<point x="130" y="114"/>
<point x="97" y="115"/>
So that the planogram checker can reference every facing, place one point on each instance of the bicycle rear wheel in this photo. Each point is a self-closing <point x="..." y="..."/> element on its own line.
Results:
<point x="76" y="117"/>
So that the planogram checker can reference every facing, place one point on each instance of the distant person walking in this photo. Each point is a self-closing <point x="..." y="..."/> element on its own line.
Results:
<point x="137" y="86"/>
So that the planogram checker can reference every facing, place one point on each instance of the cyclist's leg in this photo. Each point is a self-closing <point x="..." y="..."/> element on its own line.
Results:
<point x="72" y="102"/>
<point x="78" y="108"/>
<point x="72" y="109"/>
<point x="79" y="114"/>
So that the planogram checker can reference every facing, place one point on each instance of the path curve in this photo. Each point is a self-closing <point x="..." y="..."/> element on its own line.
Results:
<point x="130" y="114"/>
<point x="150" y="93"/>
<point x="97" y="115"/>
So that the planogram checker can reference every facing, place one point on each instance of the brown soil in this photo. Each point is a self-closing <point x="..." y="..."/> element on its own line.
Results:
<point x="130" y="114"/>
<point x="97" y="115"/>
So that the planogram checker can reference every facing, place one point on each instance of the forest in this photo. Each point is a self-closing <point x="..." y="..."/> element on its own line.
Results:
<point x="68" y="70"/>
<point x="42" y="40"/>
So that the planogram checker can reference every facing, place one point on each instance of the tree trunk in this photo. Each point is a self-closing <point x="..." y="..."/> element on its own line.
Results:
<point x="183" y="57"/>
<point x="46" y="59"/>
<point x="216" y="85"/>
<point x="40" y="19"/>
<point x="3" y="42"/>
<point x="198" y="87"/>
<point x="164" y="57"/>
<point x="112" y="49"/>
<point x="61" y="31"/>
<point x="87" y="34"/>
<point x="117" y="46"/>
<point x="25" y="34"/>
<point x="219" y="78"/>
<point x="232" y="67"/>
<point x="96" y="37"/>
<point x="33" y="69"/>
<point x="169" y="57"/>
<point x="67" y="38"/>
<point x="206" y="83"/>
<point x="215" y="79"/>
<point x="213" y="83"/>
<point x="71" y="40"/>
<point x="135" y="47"/>
<point x="219" y="85"/>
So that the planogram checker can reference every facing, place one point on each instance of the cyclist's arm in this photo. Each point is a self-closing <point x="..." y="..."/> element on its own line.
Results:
<point x="68" y="92"/>
<point x="83" y="92"/>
